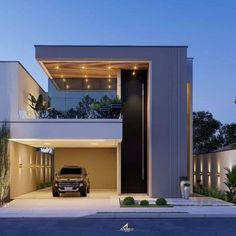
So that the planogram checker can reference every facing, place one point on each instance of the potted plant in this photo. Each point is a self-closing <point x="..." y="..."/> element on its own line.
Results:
<point x="183" y="180"/>
<point x="186" y="190"/>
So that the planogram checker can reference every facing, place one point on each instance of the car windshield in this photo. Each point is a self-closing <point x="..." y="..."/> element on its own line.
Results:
<point x="71" y="171"/>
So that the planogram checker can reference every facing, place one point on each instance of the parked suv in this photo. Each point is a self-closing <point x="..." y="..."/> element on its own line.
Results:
<point x="71" y="179"/>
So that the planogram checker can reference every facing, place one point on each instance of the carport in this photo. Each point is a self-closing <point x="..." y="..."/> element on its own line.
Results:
<point x="32" y="168"/>
<point x="92" y="143"/>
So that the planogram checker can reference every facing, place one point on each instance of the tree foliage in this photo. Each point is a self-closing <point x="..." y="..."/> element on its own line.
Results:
<point x="205" y="132"/>
<point x="228" y="133"/>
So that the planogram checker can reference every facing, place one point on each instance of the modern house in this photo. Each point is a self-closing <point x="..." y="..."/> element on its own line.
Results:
<point x="143" y="149"/>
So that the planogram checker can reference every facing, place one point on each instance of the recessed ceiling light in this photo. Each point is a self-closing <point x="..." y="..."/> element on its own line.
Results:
<point x="94" y="143"/>
<point x="109" y="76"/>
<point x="135" y="67"/>
<point x="62" y="76"/>
<point x="47" y="144"/>
<point x="57" y="67"/>
<point x="109" y="67"/>
<point x="83" y="67"/>
<point x="85" y="76"/>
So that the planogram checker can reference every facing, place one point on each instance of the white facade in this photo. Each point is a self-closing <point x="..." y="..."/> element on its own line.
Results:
<point x="16" y="84"/>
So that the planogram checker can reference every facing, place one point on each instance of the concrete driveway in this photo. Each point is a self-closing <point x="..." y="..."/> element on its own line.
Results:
<point x="41" y="204"/>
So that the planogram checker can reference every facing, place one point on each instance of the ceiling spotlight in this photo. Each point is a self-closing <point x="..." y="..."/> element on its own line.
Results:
<point x="85" y="76"/>
<point x="61" y="76"/>
<point x="88" y="86"/>
<point x="109" y="76"/>
<point x="83" y="67"/>
<point x="57" y="67"/>
<point x="133" y="73"/>
<point x="135" y="67"/>
<point x="109" y="67"/>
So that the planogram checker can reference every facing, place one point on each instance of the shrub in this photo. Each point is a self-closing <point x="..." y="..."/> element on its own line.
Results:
<point x="144" y="203"/>
<point x="231" y="184"/>
<point x="161" y="202"/>
<point x="212" y="192"/>
<point x="128" y="201"/>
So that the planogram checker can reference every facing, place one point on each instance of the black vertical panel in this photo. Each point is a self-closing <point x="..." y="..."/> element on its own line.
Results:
<point x="133" y="158"/>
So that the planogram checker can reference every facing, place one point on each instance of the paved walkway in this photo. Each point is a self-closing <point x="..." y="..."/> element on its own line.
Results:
<point x="41" y="204"/>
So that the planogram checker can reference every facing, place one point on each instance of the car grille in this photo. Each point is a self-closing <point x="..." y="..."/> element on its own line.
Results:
<point x="63" y="184"/>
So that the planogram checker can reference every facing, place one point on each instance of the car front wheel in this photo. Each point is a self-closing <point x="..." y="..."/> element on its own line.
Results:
<point x="83" y="192"/>
<point x="55" y="193"/>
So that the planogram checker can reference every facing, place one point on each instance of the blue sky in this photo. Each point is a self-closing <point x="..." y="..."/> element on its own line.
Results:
<point x="206" y="26"/>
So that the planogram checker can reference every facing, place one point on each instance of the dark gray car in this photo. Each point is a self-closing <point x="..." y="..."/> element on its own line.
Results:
<point x="71" y="179"/>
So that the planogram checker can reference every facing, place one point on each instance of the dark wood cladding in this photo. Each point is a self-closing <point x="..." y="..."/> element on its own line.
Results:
<point x="133" y="164"/>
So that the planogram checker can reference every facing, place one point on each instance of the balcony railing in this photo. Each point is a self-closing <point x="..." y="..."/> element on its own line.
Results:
<point x="87" y="108"/>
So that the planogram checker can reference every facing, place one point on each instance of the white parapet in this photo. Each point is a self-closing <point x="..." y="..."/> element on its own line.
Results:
<point x="67" y="129"/>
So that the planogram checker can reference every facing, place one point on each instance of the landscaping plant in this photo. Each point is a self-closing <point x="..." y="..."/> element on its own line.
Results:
<point x="39" y="106"/>
<point x="144" y="203"/>
<point x="161" y="202"/>
<point x="4" y="163"/>
<point x="231" y="184"/>
<point x="128" y="201"/>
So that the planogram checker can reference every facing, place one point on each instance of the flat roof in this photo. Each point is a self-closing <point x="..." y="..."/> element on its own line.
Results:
<point x="148" y="46"/>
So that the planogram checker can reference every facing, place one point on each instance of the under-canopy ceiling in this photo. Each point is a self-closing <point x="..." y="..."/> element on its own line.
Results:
<point x="88" y="75"/>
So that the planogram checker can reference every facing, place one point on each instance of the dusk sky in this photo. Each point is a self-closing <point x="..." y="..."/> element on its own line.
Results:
<point x="208" y="27"/>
